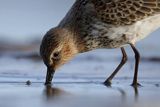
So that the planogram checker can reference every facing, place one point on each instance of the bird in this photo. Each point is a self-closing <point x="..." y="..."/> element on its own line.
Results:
<point x="100" y="24"/>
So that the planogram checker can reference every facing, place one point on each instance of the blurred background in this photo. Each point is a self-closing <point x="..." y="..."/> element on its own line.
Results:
<point x="25" y="20"/>
<point x="23" y="24"/>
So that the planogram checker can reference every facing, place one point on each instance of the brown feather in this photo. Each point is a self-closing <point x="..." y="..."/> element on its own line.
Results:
<point x="118" y="12"/>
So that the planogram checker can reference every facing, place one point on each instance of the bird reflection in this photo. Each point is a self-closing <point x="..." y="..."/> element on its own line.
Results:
<point x="52" y="92"/>
<point x="136" y="93"/>
<point x="123" y="93"/>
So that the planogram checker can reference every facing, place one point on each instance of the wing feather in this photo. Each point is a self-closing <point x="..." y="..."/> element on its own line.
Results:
<point x="125" y="12"/>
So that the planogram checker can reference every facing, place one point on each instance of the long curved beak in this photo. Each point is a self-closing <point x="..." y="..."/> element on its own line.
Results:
<point x="49" y="76"/>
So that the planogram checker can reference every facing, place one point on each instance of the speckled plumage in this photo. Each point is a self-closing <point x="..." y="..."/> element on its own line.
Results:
<point x="111" y="23"/>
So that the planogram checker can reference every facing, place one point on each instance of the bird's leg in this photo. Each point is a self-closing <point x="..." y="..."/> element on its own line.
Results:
<point x="137" y="58"/>
<point x="123" y="61"/>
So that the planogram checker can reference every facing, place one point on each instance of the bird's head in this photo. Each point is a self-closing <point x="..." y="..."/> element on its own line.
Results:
<point x="57" y="47"/>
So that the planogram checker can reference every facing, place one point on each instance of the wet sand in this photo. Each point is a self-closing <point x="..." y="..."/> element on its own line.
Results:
<point x="77" y="84"/>
<point x="77" y="94"/>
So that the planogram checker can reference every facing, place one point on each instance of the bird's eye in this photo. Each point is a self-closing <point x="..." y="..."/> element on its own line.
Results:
<point x="56" y="55"/>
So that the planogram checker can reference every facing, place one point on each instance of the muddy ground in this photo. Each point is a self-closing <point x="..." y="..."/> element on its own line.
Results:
<point x="79" y="82"/>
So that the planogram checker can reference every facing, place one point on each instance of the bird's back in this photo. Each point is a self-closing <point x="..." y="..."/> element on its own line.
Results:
<point x="104" y="22"/>
<point x="114" y="12"/>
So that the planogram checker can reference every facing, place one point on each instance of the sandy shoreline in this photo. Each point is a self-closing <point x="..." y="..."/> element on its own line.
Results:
<point x="78" y="83"/>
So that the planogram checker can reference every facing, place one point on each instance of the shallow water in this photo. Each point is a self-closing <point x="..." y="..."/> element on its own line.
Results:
<point x="78" y="83"/>
<point x="79" y="94"/>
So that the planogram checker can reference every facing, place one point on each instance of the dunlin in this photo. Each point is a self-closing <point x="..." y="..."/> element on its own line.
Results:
<point x="94" y="24"/>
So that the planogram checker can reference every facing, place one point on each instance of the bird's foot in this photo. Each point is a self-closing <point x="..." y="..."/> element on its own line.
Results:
<point x="108" y="83"/>
<point x="135" y="85"/>
<point x="48" y="84"/>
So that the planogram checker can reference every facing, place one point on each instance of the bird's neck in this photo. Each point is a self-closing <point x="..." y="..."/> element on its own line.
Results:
<point x="85" y="45"/>
<point x="80" y="44"/>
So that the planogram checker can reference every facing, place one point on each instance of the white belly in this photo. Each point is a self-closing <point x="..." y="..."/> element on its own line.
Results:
<point x="115" y="37"/>
<point x="137" y="31"/>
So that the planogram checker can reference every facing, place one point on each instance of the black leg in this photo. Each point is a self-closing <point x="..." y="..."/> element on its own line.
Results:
<point x="137" y="58"/>
<point x="123" y="61"/>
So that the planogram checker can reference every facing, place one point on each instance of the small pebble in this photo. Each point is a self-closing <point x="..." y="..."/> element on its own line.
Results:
<point x="157" y="85"/>
<point x="28" y="82"/>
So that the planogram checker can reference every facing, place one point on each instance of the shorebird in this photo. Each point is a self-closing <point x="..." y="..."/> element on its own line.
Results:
<point x="95" y="24"/>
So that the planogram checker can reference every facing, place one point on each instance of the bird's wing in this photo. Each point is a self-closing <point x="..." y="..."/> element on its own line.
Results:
<point x="125" y="12"/>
